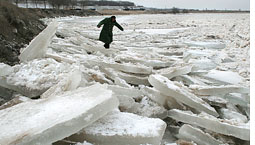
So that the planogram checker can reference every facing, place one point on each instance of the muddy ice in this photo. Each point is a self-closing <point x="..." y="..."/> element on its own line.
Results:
<point x="167" y="79"/>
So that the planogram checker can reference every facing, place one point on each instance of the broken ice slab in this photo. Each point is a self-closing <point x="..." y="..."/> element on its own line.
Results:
<point x="5" y="95"/>
<point x="84" y="143"/>
<point x="87" y="35"/>
<point x="218" y="90"/>
<point x="29" y="92"/>
<point x="125" y="67"/>
<point x="120" y="128"/>
<point x="237" y="99"/>
<point x="33" y="78"/>
<point x="134" y="79"/>
<point x="72" y="49"/>
<point x="184" y="142"/>
<point x="199" y="53"/>
<point x="188" y="80"/>
<point x="59" y="58"/>
<point x="129" y="78"/>
<point x="107" y="52"/>
<point x="16" y="100"/>
<point x="62" y="33"/>
<point x="190" y="133"/>
<point x="210" y="45"/>
<point x="202" y="64"/>
<point x="181" y="94"/>
<point x="121" y="82"/>
<point x="159" y="98"/>
<point x="175" y="71"/>
<point x="226" y="77"/>
<point x="68" y="142"/>
<point x="5" y="69"/>
<point x="232" y="115"/>
<point x="70" y="82"/>
<point x="155" y="95"/>
<point x="150" y="62"/>
<point x="126" y="103"/>
<point x="38" y="46"/>
<point x="146" y="107"/>
<point x="215" y="101"/>
<point x="96" y="75"/>
<point x="238" y="130"/>
<point x="59" y="116"/>
<point x="123" y="91"/>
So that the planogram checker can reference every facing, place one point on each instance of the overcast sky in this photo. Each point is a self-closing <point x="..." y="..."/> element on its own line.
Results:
<point x="196" y="4"/>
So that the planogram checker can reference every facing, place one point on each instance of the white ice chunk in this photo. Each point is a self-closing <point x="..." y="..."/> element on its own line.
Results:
<point x="188" y="80"/>
<point x="228" y="77"/>
<point x="35" y="77"/>
<point x="5" y="69"/>
<point x="121" y="82"/>
<point x="119" y="128"/>
<point x="16" y="100"/>
<point x="148" y="108"/>
<point x="72" y="49"/>
<point x="107" y="52"/>
<point x="84" y="143"/>
<point x="134" y="79"/>
<point x="175" y="71"/>
<point x="233" y="116"/>
<point x="38" y="46"/>
<point x="150" y="62"/>
<point x="21" y="89"/>
<point x="59" y="58"/>
<point x="225" y="127"/>
<point x="130" y="92"/>
<point x="188" y="132"/>
<point x="210" y="45"/>
<point x="237" y="98"/>
<point x="48" y="120"/>
<point x="167" y="87"/>
<point x="125" y="67"/>
<point x="126" y="103"/>
<point x="155" y="95"/>
<point x="161" y="99"/>
<point x="215" y="101"/>
<point x="70" y="82"/>
<point x="219" y="90"/>
<point x="198" y="53"/>
<point x="203" y="64"/>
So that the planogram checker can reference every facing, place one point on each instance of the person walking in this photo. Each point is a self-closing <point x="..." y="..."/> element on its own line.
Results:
<point x="106" y="33"/>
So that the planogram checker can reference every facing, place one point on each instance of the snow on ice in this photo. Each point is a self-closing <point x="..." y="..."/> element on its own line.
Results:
<point x="196" y="65"/>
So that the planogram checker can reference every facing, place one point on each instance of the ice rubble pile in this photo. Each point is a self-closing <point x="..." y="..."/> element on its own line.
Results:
<point x="143" y="92"/>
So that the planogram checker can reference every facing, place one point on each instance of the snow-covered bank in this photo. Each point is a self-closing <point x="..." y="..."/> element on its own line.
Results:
<point x="198" y="65"/>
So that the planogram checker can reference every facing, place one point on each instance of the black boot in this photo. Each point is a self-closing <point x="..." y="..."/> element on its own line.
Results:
<point x="106" y="45"/>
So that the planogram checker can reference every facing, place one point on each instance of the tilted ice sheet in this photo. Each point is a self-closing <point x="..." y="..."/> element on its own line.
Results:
<point x="123" y="128"/>
<point x="121" y="123"/>
<point x="225" y="76"/>
<point x="5" y="69"/>
<point x="181" y="94"/>
<point x="48" y="120"/>
<point x="38" y="74"/>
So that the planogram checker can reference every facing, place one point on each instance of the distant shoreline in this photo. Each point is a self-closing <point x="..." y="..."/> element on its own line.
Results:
<point x="158" y="11"/>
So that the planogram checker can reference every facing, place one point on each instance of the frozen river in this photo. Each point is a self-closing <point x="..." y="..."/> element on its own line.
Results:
<point x="173" y="32"/>
<point x="161" y="66"/>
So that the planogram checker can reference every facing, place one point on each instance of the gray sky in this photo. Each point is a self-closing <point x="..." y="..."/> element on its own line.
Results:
<point x="196" y="4"/>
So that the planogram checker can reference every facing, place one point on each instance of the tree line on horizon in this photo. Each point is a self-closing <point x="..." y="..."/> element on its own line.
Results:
<point x="71" y="4"/>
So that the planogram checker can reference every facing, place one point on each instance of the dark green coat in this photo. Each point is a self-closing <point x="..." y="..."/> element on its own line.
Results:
<point x="106" y="32"/>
